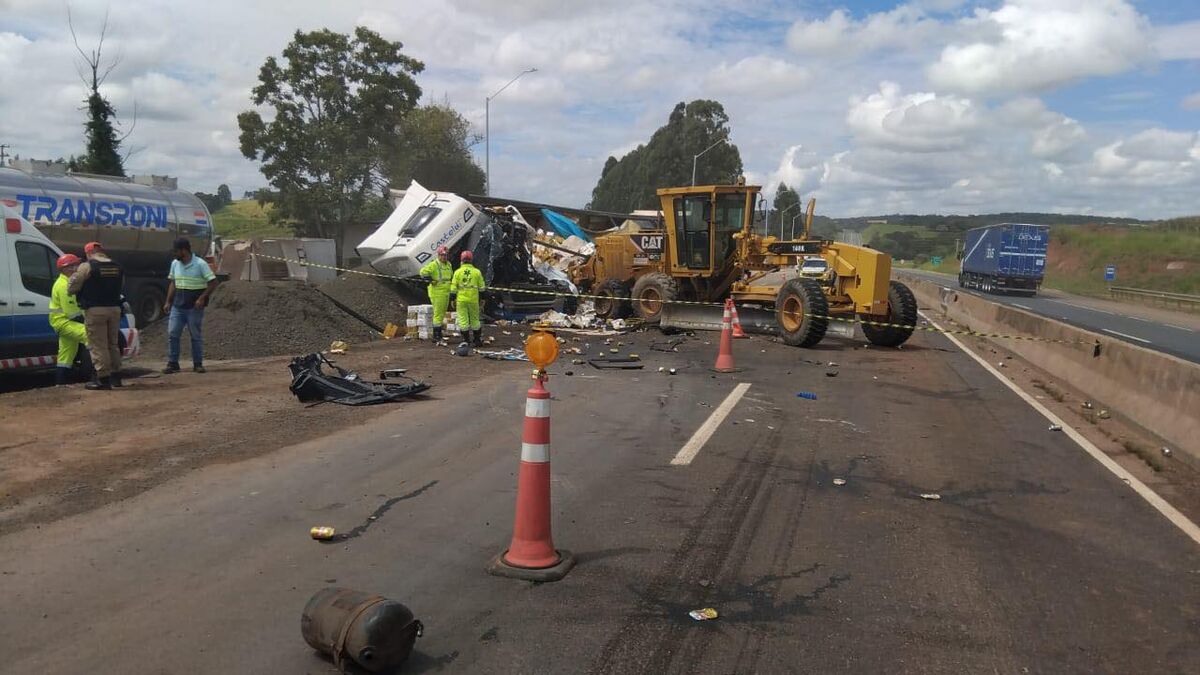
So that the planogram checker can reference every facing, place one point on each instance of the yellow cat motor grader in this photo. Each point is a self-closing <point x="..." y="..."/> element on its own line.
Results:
<point x="707" y="251"/>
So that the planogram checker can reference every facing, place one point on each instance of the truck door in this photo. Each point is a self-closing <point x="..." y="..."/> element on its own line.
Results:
<point x="32" y="273"/>
<point x="6" y="295"/>
<point x="693" y="241"/>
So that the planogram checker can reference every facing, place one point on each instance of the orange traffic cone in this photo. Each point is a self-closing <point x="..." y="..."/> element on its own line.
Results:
<point x="531" y="555"/>
<point x="725" y="356"/>
<point x="738" y="333"/>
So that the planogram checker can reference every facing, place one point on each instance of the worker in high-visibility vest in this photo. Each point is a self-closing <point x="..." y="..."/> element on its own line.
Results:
<point x="67" y="321"/>
<point x="467" y="283"/>
<point x="439" y="273"/>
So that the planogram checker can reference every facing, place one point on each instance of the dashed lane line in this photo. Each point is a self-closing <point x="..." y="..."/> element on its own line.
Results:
<point x="1017" y="304"/>
<point x="1161" y="505"/>
<point x="1119" y="334"/>
<point x="1088" y="309"/>
<point x="690" y="449"/>
<point x="1171" y="325"/>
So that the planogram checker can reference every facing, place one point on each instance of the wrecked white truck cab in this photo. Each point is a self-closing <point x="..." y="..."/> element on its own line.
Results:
<point x="410" y="237"/>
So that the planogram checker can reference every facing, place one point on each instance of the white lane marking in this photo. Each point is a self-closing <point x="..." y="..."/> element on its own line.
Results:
<point x="1125" y="335"/>
<point x="690" y="449"/>
<point x="1138" y="318"/>
<point x="1172" y="514"/>
<point x="1017" y="304"/>
<point x="1088" y="309"/>
<point x="1171" y="325"/>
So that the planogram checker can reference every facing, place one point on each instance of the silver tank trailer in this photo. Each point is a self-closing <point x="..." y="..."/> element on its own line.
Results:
<point x="136" y="220"/>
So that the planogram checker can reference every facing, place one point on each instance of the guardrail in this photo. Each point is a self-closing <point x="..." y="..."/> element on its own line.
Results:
<point x="1190" y="303"/>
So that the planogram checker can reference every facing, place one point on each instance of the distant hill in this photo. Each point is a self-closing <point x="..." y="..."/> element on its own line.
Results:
<point x="1157" y="255"/>
<point x="247" y="219"/>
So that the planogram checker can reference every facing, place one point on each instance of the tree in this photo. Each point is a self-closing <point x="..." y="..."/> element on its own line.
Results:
<point x="437" y="152"/>
<point x="224" y="195"/>
<point x="337" y="103"/>
<point x="103" y="145"/>
<point x="785" y="198"/>
<point x="666" y="161"/>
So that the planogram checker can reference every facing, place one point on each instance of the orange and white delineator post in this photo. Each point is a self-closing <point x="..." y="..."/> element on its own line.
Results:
<point x="531" y="554"/>
<point x="725" y="355"/>
<point x="738" y="333"/>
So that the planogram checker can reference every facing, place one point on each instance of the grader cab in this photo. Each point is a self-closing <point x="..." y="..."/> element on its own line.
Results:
<point x="707" y="251"/>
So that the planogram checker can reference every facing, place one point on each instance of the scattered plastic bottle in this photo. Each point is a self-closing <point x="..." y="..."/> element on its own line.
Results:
<point x="808" y="395"/>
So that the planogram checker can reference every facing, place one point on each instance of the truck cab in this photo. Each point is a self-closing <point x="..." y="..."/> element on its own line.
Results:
<point x="27" y="275"/>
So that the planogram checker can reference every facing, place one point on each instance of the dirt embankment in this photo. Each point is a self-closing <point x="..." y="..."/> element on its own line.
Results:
<point x="247" y="319"/>
<point x="65" y="450"/>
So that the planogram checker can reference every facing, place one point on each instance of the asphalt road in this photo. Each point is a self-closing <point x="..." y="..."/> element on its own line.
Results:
<point x="1176" y="340"/>
<point x="1035" y="558"/>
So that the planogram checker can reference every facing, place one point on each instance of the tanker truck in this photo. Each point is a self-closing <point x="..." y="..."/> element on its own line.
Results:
<point x="136" y="219"/>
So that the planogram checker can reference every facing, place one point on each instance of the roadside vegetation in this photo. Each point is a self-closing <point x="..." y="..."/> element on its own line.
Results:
<point x="247" y="219"/>
<point x="1163" y="256"/>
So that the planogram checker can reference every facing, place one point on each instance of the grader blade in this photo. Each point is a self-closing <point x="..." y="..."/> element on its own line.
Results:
<point x="699" y="317"/>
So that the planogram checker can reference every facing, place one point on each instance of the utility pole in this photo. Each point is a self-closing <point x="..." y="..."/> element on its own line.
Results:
<point x="697" y="156"/>
<point x="487" y="132"/>
<point x="781" y="214"/>
<point x="3" y="154"/>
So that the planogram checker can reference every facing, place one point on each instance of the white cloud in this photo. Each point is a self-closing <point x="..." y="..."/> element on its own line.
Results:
<point x="920" y="122"/>
<point x="1032" y="45"/>
<point x="763" y="77"/>
<point x="906" y="26"/>
<point x="1157" y="145"/>
<point x="804" y="112"/>
<point x="1180" y="41"/>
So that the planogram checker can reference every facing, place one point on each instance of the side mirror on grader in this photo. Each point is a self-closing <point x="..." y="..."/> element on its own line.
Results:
<point x="707" y="251"/>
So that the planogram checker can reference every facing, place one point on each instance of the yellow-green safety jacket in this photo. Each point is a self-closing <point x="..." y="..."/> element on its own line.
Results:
<point x="467" y="283"/>
<point x="63" y="306"/>
<point x="439" y="274"/>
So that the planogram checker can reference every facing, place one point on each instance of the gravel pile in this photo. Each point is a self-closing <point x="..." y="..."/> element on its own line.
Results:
<point x="377" y="299"/>
<point x="248" y="319"/>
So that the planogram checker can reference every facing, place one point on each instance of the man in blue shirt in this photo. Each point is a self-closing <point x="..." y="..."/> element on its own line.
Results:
<point x="191" y="282"/>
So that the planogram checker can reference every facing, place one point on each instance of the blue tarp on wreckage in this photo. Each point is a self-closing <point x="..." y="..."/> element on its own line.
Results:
<point x="564" y="226"/>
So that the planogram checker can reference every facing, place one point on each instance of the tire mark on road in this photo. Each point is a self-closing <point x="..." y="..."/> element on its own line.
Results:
<point x="374" y="517"/>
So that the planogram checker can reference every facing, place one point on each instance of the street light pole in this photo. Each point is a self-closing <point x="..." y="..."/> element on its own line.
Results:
<point x="782" y="214"/>
<point x="487" y="131"/>
<point x="697" y="156"/>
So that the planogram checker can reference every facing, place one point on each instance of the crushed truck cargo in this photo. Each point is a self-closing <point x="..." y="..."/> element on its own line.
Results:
<point x="500" y="239"/>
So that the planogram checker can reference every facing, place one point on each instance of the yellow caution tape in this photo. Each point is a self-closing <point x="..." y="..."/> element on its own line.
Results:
<point x="694" y="303"/>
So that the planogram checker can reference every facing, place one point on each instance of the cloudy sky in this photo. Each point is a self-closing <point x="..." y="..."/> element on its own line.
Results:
<point x="946" y="106"/>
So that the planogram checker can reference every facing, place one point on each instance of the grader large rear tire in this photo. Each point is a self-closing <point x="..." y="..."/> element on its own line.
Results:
<point x="612" y="300"/>
<point x="650" y="292"/>
<point x="902" y="318"/>
<point x="802" y="312"/>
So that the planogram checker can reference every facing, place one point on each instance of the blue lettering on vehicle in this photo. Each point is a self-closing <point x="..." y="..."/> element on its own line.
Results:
<point x="38" y="208"/>
<point x="446" y="237"/>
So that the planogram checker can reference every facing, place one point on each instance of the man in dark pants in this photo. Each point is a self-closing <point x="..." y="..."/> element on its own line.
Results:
<point x="190" y="283"/>
<point x="98" y="284"/>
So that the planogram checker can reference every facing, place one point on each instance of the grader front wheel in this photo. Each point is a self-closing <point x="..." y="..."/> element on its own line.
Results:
<point x="802" y="312"/>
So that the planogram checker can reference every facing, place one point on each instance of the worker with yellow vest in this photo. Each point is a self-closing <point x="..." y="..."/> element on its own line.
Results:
<point x="467" y="283"/>
<point x="67" y="321"/>
<point x="439" y="273"/>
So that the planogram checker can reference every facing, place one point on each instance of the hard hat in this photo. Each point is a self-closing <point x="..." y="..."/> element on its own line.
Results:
<point x="467" y="256"/>
<point x="67" y="260"/>
<point x="442" y="250"/>
<point x="464" y="349"/>
<point x="91" y="247"/>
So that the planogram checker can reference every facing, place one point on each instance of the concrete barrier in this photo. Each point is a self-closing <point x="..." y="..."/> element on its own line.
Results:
<point x="1154" y="390"/>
